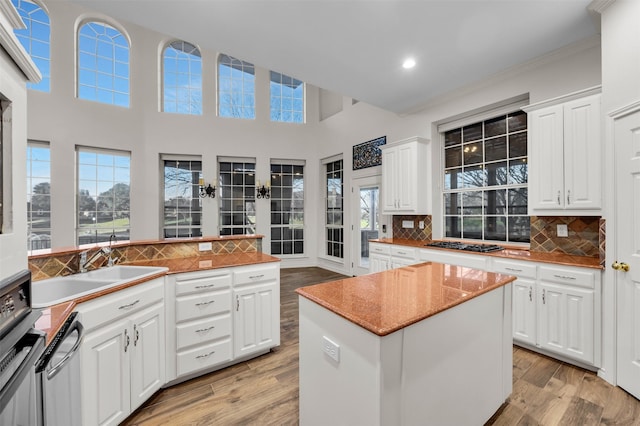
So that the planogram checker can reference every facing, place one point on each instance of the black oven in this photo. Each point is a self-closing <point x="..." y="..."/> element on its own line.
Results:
<point x="21" y="346"/>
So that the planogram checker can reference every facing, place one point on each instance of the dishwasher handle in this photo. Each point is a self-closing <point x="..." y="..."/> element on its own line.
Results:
<point x="60" y="365"/>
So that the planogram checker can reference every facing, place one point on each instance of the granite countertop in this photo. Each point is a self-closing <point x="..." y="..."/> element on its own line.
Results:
<point x="388" y="301"/>
<point x="510" y="252"/>
<point x="53" y="317"/>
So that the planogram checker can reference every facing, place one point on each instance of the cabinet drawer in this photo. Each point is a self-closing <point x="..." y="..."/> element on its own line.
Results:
<point x="447" y="257"/>
<point x="202" y="281"/>
<point x="379" y="248"/>
<point x="575" y="277"/>
<point x="202" y="331"/>
<point x="255" y="274"/>
<point x="110" y="307"/>
<point x="518" y="269"/>
<point x="202" y="305"/>
<point x="203" y="357"/>
<point x="405" y="252"/>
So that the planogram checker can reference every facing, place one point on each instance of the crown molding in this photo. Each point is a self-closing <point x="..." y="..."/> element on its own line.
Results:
<point x="599" y="6"/>
<point x="12" y="15"/>
<point x="12" y="45"/>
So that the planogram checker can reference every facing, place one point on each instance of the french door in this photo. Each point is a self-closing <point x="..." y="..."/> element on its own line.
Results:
<point x="366" y="221"/>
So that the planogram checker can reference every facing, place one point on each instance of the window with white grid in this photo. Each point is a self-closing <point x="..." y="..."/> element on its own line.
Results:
<point x="35" y="39"/>
<point x="334" y="225"/>
<point x="485" y="180"/>
<point x="237" y="184"/>
<point x="38" y="196"/>
<point x="103" y="195"/>
<point x="182" y="78"/>
<point x="287" y="207"/>
<point x="287" y="98"/>
<point x="236" y="88"/>
<point x="103" y="64"/>
<point x="182" y="202"/>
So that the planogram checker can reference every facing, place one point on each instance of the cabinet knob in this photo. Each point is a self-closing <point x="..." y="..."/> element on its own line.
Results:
<point x="558" y="197"/>
<point x="620" y="266"/>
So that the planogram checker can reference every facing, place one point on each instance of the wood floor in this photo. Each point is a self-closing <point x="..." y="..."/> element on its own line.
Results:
<point x="264" y="390"/>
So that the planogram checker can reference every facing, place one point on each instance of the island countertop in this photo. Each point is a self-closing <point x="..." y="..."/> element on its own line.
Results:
<point x="388" y="301"/>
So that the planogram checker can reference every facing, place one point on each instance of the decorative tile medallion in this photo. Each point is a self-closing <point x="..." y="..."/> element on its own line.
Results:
<point x="368" y="154"/>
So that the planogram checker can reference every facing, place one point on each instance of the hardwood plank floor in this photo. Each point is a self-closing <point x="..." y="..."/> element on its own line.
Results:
<point x="264" y="390"/>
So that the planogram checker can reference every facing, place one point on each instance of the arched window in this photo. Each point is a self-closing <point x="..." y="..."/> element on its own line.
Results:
<point x="182" y="78"/>
<point x="287" y="98"/>
<point x="36" y="40"/>
<point x="103" y="64"/>
<point x="236" y="88"/>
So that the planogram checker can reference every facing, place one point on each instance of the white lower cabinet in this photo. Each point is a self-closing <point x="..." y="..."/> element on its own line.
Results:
<point x="256" y="310"/>
<point x="386" y="256"/>
<point x="378" y="262"/>
<point x="122" y="356"/>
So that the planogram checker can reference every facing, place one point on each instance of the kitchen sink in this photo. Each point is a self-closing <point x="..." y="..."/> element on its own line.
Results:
<point x="56" y="290"/>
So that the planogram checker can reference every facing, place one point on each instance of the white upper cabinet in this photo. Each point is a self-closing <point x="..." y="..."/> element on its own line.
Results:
<point x="565" y="155"/>
<point x="406" y="179"/>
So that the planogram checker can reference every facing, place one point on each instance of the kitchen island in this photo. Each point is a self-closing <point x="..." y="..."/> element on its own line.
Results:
<point x="419" y="345"/>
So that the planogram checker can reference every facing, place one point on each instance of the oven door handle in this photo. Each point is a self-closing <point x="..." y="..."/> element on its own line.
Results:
<point x="11" y="387"/>
<point x="59" y="366"/>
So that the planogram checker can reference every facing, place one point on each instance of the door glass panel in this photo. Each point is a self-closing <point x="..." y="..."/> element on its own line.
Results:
<point x="369" y="221"/>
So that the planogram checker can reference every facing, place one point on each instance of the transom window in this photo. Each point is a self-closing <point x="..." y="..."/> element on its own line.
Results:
<point x="236" y="88"/>
<point x="36" y="40"/>
<point x="237" y="197"/>
<point x="103" y="197"/>
<point x="287" y="207"/>
<point x="182" y="202"/>
<point x="287" y="98"/>
<point x="103" y="64"/>
<point x="334" y="209"/>
<point x="38" y="196"/>
<point x="182" y="83"/>
<point x="485" y="180"/>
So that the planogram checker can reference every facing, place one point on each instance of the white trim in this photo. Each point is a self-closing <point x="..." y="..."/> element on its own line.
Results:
<point x="481" y="114"/>
<point x="223" y="159"/>
<point x="180" y="157"/>
<point x="12" y="45"/>
<point x="283" y="161"/>
<point x="331" y="159"/>
<point x="599" y="6"/>
<point x="12" y="14"/>
<point x="625" y="110"/>
<point x="564" y="98"/>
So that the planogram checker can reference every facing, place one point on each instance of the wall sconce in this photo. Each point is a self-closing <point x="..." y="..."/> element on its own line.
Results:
<point x="207" y="191"/>
<point x="262" y="191"/>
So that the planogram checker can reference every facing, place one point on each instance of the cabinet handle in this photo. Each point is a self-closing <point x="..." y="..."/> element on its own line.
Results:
<point x="203" y="330"/>
<point x="558" y="197"/>
<point x="513" y="269"/>
<point x="129" y="305"/>
<point x="136" y="336"/>
<point x="126" y="339"/>
<point x="544" y="293"/>
<point x="564" y="277"/>
<point x="253" y="277"/>
<point x="237" y="303"/>
<point x="206" y="355"/>
<point x="205" y="303"/>
<point x="402" y="252"/>
<point x="569" y="196"/>
<point x="530" y="294"/>
<point x="206" y="286"/>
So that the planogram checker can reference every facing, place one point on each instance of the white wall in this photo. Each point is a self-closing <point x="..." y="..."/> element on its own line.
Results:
<point x="13" y="243"/>
<point x="65" y="122"/>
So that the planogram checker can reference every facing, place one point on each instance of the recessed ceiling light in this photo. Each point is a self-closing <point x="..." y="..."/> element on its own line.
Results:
<point x="409" y="63"/>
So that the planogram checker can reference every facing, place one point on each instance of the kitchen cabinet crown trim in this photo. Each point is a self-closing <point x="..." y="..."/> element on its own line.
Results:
<point x="564" y="98"/>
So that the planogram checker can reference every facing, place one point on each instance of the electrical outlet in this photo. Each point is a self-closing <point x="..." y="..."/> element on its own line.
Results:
<point x="562" y="230"/>
<point x="204" y="246"/>
<point x="421" y="224"/>
<point x="331" y="348"/>
<point x="407" y="224"/>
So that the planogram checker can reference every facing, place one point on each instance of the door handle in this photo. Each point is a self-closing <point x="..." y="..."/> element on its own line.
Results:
<point x="620" y="266"/>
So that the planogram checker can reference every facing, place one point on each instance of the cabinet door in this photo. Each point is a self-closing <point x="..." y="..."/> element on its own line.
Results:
<point x="582" y="154"/>
<point x="567" y="321"/>
<point x="546" y="159"/>
<point x="407" y="175"/>
<point x="524" y="311"/>
<point x="389" y="181"/>
<point x="378" y="263"/>
<point x="147" y="354"/>
<point x="105" y="375"/>
<point x="256" y="319"/>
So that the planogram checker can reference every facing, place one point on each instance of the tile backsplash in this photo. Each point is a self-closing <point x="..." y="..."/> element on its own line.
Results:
<point x="414" y="233"/>
<point x="586" y="235"/>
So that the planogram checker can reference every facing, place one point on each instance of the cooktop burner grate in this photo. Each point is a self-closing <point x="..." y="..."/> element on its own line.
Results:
<point x="455" y="245"/>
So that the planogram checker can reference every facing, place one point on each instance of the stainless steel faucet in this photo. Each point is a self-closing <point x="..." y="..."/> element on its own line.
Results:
<point x="112" y="260"/>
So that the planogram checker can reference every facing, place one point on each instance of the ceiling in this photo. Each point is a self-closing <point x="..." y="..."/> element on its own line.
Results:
<point x="356" y="47"/>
